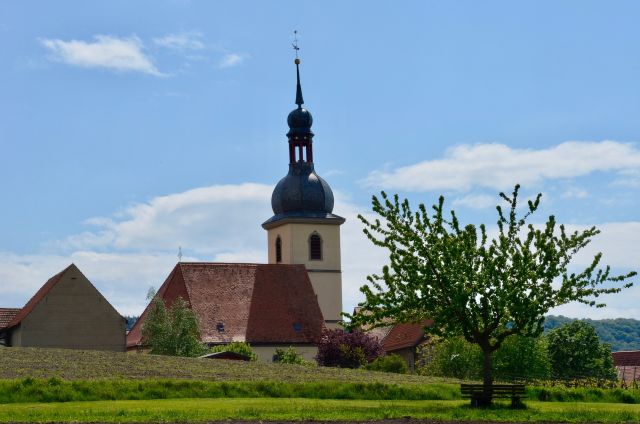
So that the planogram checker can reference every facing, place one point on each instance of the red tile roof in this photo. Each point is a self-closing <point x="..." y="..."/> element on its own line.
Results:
<point x="626" y="358"/>
<point x="256" y="303"/>
<point x="40" y="294"/>
<point x="6" y="315"/>
<point x="402" y="336"/>
<point x="397" y="336"/>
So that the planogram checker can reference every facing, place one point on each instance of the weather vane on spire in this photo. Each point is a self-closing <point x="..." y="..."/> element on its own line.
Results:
<point x="179" y="253"/>
<point x="295" y="43"/>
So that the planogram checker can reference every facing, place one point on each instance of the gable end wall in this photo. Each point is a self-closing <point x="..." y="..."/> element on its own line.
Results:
<point x="73" y="315"/>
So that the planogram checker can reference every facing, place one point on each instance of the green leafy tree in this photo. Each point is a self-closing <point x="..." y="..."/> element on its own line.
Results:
<point x="576" y="352"/>
<point x="522" y="358"/>
<point x="290" y="356"/>
<point x="451" y="357"/>
<point x="483" y="289"/>
<point x="173" y="331"/>
<point x="389" y="363"/>
<point x="237" y="347"/>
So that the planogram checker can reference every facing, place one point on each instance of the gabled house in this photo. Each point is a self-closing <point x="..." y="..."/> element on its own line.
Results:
<point x="67" y="312"/>
<point x="627" y="364"/>
<point x="265" y="305"/>
<point x="400" y="339"/>
<point x="403" y="340"/>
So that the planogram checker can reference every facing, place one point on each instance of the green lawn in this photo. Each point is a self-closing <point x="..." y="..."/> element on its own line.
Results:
<point x="194" y="410"/>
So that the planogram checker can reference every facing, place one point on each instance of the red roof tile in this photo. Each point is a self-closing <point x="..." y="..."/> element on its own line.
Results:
<point x="404" y="335"/>
<point x="256" y="303"/>
<point x="40" y="294"/>
<point x="626" y="358"/>
<point x="6" y="315"/>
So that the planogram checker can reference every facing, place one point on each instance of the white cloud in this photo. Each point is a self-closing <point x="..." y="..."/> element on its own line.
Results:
<point x="127" y="252"/>
<point x="575" y="193"/>
<point x="500" y="167"/>
<point x="122" y="278"/>
<point x="191" y="40"/>
<point x="208" y="220"/>
<point x="230" y="60"/>
<point x="105" y="51"/>
<point x="618" y="242"/>
<point x="477" y="201"/>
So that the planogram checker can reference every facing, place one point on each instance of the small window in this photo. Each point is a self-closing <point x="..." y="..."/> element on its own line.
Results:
<point x="220" y="327"/>
<point x="297" y="327"/>
<point x="278" y="250"/>
<point x="315" y="247"/>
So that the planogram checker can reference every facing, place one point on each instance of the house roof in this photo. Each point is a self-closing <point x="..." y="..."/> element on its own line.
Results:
<point x="40" y="294"/>
<point x="626" y="358"/>
<point x="404" y="335"/>
<point x="397" y="336"/>
<point x="6" y="315"/>
<point x="256" y="303"/>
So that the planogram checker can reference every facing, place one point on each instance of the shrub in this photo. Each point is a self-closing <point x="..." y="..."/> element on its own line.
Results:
<point x="522" y="357"/>
<point x="338" y="348"/>
<point x="173" y="331"/>
<point x="518" y="358"/>
<point x="452" y="357"/>
<point x="237" y="347"/>
<point x="389" y="363"/>
<point x="289" y="356"/>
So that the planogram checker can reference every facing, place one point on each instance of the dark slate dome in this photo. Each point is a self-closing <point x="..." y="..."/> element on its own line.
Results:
<point x="299" y="121"/>
<point x="302" y="191"/>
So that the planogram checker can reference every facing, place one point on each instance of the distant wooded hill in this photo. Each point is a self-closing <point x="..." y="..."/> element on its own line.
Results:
<point x="620" y="333"/>
<point x="130" y="321"/>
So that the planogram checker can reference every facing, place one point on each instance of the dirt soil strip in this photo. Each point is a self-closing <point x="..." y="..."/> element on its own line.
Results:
<point x="395" y="421"/>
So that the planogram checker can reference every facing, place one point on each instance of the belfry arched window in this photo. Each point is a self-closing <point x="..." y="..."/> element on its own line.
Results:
<point x="278" y="250"/>
<point x="315" y="247"/>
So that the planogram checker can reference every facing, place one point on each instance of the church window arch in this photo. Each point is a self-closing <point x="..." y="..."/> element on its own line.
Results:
<point x="278" y="249"/>
<point x="315" y="247"/>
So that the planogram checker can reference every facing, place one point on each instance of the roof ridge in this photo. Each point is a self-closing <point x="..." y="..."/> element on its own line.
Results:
<point x="38" y="296"/>
<point x="236" y="264"/>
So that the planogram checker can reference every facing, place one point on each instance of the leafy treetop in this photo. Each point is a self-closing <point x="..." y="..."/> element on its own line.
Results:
<point x="468" y="284"/>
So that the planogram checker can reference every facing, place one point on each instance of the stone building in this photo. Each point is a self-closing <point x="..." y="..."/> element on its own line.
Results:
<point x="67" y="312"/>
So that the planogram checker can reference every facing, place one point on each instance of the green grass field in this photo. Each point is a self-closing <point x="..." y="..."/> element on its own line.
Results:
<point x="200" y="410"/>
<point x="53" y="385"/>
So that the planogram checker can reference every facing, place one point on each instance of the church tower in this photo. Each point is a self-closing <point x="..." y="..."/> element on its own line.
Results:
<point x="303" y="229"/>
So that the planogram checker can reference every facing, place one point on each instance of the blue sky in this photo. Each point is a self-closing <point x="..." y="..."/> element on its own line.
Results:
<point x="128" y="129"/>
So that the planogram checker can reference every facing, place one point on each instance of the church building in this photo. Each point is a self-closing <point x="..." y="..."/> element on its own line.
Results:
<point x="289" y="300"/>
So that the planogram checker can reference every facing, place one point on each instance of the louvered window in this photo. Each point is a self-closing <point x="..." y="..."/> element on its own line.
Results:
<point x="278" y="250"/>
<point x="315" y="247"/>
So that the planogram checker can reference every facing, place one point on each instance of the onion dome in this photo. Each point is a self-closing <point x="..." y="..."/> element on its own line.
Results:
<point x="302" y="190"/>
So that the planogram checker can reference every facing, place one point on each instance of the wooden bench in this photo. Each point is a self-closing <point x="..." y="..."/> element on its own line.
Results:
<point x="475" y="392"/>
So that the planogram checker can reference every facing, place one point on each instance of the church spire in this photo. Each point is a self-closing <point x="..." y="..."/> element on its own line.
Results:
<point x="299" y="99"/>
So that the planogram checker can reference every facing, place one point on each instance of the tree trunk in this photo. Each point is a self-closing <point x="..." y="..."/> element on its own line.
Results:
<point x="487" y="378"/>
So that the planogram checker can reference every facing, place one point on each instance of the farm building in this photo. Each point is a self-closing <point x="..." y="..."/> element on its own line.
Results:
<point x="266" y="305"/>
<point x="400" y="339"/>
<point x="627" y="364"/>
<point x="67" y="312"/>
